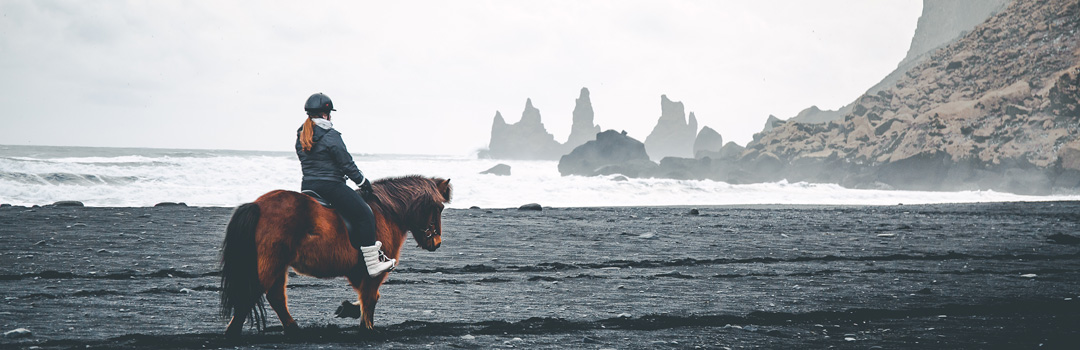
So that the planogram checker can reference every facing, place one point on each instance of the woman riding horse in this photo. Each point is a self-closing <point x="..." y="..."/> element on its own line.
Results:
<point x="326" y="163"/>
<point x="283" y="229"/>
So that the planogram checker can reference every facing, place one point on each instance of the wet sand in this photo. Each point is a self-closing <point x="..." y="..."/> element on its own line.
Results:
<point x="859" y="277"/>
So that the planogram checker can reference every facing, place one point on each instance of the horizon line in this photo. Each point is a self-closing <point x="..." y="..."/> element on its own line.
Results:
<point x="2" y="146"/>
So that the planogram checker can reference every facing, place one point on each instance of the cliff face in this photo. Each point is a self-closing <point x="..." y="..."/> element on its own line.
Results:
<point x="672" y="136"/>
<point x="996" y="109"/>
<point x="942" y="22"/>
<point x="526" y="139"/>
<point x="582" y="130"/>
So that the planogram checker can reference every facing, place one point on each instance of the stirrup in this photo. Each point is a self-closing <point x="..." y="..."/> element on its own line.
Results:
<point x="384" y="258"/>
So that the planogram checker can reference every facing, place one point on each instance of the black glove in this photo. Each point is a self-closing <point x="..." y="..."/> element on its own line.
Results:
<point x="365" y="190"/>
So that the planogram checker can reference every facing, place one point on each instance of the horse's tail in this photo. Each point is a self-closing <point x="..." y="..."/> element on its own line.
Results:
<point x="241" y="292"/>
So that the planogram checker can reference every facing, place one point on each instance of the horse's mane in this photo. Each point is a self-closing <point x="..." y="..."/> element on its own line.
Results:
<point x="413" y="196"/>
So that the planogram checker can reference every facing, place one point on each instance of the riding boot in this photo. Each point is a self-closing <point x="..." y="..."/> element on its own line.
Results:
<point x="376" y="261"/>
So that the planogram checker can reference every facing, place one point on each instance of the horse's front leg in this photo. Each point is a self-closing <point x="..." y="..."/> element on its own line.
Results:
<point x="367" y="289"/>
<point x="369" y="296"/>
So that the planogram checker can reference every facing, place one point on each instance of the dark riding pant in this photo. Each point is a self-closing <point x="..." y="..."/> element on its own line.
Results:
<point x="350" y="206"/>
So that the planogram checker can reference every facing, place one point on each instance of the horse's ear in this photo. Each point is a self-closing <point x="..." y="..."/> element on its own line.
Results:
<point x="444" y="188"/>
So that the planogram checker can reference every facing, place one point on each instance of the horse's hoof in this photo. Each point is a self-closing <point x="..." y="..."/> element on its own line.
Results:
<point x="232" y="334"/>
<point x="291" y="330"/>
<point x="370" y="332"/>
<point x="349" y="310"/>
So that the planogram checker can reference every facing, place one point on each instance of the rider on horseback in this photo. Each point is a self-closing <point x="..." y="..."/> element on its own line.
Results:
<point x="326" y="163"/>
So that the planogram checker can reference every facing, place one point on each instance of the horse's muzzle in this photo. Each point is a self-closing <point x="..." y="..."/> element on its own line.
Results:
<point x="433" y="241"/>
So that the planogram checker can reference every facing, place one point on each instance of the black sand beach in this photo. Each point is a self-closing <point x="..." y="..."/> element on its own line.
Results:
<point x="914" y="276"/>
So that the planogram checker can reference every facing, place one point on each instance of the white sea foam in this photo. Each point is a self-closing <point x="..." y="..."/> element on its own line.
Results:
<point x="231" y="178"/>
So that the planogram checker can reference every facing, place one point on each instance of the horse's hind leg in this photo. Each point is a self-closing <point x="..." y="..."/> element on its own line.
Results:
<point x="279" y="301"/>
<point x="236" y="326"/>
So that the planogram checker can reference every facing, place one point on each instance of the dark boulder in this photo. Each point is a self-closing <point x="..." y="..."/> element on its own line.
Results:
<point x="171" y="204"/>
<point x="499" y="169"/>
<point x="612" y="150"/>
<point x="68" y="204"/>
<point x="531" y="207"/>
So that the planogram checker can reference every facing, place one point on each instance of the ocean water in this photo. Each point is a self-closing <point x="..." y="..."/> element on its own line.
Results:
<point x="135" y="177"/>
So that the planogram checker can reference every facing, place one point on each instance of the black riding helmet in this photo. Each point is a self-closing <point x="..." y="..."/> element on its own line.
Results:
<point x="319" y="103"/>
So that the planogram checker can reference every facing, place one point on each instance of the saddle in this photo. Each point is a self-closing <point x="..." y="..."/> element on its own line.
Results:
<point x="322" y="201"/>
<point x="318" y="198"/>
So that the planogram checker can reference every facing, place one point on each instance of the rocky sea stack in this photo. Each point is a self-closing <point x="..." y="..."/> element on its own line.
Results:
<point x="672" y="136"/>
<point x="583" y="130"/>
<point x="526" y="139"/>
<point x="529" y="140"/>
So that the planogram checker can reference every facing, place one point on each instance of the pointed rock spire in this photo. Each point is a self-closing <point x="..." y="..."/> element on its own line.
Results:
<point x="526" y="139"/>
<point x="672" y="136"/>
<point x="583" y="130"/>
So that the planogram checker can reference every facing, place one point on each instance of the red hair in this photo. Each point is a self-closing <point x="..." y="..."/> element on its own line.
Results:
<point x="306" y="134"/>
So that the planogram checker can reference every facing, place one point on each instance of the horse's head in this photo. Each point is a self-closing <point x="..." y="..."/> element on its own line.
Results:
<point x="430" y="215"/>
<point x="416" y="203"/>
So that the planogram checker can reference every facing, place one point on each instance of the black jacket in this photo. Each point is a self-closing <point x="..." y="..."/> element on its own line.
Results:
<point x="328" y="159"/>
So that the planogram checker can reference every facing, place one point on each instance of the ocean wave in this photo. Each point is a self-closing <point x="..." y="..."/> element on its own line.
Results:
<point x="231" y="178"/>
<point x="65" y="179"/>
<point x="84" y="160"/>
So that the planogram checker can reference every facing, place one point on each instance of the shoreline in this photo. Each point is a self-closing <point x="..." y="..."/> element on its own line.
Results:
<point x="680" y="206"/>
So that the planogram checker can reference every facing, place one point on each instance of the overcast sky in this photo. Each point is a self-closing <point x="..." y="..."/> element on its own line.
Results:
<point x="424" y="77"/>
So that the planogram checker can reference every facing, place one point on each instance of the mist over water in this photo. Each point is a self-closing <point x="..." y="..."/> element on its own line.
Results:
<point x="144" y="177"/>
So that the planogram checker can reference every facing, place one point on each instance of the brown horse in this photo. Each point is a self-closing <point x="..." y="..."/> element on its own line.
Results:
<point x="286" y="228"/>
